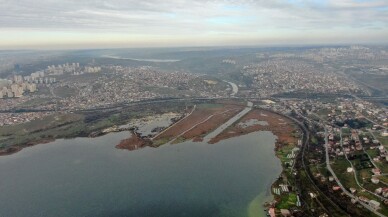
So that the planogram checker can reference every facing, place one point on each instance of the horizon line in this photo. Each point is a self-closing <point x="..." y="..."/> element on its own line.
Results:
<point x="272" y="45"/>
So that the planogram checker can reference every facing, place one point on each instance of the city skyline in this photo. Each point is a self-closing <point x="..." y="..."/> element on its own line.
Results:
<point x="116" y="23"/>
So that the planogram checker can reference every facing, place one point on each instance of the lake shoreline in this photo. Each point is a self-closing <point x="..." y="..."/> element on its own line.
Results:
<point x="136" y="141"/>
<point x="148" y="173"/>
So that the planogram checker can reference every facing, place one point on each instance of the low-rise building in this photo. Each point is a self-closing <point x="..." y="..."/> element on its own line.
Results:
<point x="375" y="180"/>
<point x="376" y="171"/>
<point x="374" y="204"/>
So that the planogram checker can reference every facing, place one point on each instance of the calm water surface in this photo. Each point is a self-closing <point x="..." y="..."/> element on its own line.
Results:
<point x="89" y="177"/>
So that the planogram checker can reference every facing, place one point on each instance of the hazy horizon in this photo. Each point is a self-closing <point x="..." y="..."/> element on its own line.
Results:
<point x="74" y="24"/>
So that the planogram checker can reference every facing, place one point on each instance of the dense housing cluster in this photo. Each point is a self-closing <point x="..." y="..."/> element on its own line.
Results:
<point x="287" y="75"/>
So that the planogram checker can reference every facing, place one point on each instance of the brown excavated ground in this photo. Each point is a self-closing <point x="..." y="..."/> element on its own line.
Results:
<point x="281" y="126"/>
<point x="199" y="115"/>
<point x="133" y="142"/>
<point x="201" y="130"/>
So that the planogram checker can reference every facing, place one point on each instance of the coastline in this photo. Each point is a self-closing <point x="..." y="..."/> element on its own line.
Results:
<point x="287" y="133"/>
<point x="281" y="126"/>
<point x="256" y="208"/>
<point x="75" y="153"/>
<point x="260" y="205"/>
<point x="15" y="149"/>
<point x="281" y="148"/>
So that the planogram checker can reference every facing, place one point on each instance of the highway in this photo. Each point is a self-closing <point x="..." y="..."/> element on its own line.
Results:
<point x="115" y="106"/>
<point x="153" y="101"/>
<point x="127" y="104"/>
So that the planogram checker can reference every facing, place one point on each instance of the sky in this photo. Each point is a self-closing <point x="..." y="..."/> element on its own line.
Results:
<point x="62" y="24"/>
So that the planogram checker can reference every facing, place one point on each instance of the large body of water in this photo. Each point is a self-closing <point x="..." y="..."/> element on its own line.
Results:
<point x="89" y="177"/>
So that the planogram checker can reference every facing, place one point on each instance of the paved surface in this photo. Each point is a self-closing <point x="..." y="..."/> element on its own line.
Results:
<point x="229" y="122"/>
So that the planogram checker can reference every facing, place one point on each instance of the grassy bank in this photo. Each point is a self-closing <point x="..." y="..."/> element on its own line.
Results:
<point x="70" y="125"/>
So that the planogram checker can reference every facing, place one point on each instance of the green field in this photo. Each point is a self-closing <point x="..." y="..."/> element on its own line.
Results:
<point x="69" y="125"/>
<point x="287" y="201"/>
<point x="347" y="179"/>
<point x="383" y="139"/>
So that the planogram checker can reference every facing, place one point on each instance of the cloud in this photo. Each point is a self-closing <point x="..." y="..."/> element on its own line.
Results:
<point x="153" y="13"/>
<point x="193" y="17"/>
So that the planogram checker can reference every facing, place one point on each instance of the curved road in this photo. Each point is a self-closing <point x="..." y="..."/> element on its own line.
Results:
<point x="234" y="88"/>
<point x="339" y="182"/>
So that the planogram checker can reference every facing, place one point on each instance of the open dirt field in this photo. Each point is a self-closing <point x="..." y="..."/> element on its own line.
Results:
<point x="278" y="125"/>
<point x="201" y="130"/>
<point x="206" y="118"/>
<point x="202" y="121"/>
